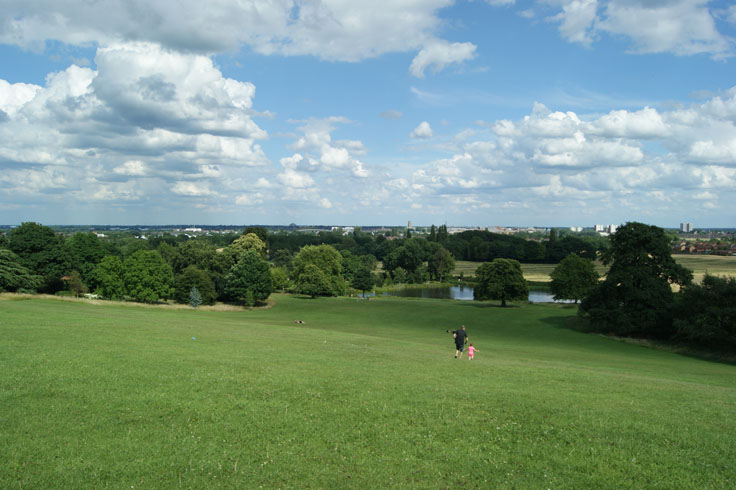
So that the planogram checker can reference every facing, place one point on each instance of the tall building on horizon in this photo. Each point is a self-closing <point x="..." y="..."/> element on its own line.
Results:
<point x="686" y="227"/>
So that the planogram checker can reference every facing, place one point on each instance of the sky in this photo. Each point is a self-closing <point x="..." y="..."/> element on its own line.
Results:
<point x="344" y="112"/>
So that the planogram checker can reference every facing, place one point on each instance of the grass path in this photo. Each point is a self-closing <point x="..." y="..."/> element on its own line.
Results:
<point x="365" y="394"/>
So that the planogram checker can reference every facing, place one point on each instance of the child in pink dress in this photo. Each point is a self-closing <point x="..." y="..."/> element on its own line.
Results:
<point x="471" y="352"/>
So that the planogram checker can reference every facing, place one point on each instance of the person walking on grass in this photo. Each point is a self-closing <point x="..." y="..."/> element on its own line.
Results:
<point x="471" y="352"/>
<point x="461" y="338"/>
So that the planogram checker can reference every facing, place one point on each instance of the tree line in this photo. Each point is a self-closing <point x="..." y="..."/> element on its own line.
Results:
<point x="634" y="299"/>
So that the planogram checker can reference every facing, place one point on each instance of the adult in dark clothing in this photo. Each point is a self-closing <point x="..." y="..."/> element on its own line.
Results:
<point x="461" y="338"/>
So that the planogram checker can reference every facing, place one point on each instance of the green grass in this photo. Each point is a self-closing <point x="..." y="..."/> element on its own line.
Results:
<point x="365" y="394"/>
<point x="699" y="264"/>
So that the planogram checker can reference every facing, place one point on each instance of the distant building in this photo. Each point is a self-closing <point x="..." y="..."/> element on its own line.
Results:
<point x="686" y="227"/>
<point x="577" y="229"/>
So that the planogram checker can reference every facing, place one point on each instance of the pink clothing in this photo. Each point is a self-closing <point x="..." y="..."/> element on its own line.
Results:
<point x="471" y="351"/>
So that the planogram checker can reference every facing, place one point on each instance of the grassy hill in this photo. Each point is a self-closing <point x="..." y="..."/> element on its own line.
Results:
<point x="364" y="394"/>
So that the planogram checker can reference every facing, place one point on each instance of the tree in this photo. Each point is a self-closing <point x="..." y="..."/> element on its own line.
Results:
<point x="249" y="280"/>
<point x="313" y="281"/>
<point x="500" y="279"/>
<point x="107" y="278"/>
<point x="75" y="284"/>
<point x="636" y="298"/>
<point x="363" y="279"/>
<point x="326" y="259"/>
<point x="245" y="243"/>
<point x="441" y="264"/>
<point x="193" y="277"/>
<point x="42" y="251"/>
<point x="279" y="278"/>
<point x="14" y="276"/>
<point x="706" y="313"/>
<point x="85" y="251"/>
<point x="195" y="299"/>
<point x="573" y="278"/>
<point x="148" y="278"/>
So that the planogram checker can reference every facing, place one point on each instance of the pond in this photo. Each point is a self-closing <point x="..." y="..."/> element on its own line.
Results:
<point x="463" y="293"/>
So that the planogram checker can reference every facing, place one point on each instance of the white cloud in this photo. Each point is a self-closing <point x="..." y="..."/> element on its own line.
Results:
<point x="330" y="29"/>
<point x="294" y="179"/>
<point x="423" y="131"/>
<point x="680" y="27"/>
<point x="436" y="55"/>
<point x="131" y="167"/>
<point x="192" y="189"/>
<point x="325" y="203"/>
<point x="576" y="20"/>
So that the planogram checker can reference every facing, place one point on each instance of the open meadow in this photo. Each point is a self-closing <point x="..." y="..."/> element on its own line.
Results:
<point x="363" y="394"/>
<point x="717" y="265"/>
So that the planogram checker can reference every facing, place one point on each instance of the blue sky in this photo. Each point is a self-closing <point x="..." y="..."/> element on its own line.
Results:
<point x="476" y="113"/>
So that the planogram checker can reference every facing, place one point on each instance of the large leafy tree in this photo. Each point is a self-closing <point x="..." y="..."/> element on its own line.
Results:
<point x="502" y="280"/>
<point x="440" y="264"/>
<point x="573" y="278"/>
<point x="313" y="281"/>
<point x="363" y="279"/>
<point x="327" y="259"/>
<point x="14" y="276"/>
<point x="706" y="313"/>
<point x="193" y="277"/>
<point x="246" y="242"/>
<point x="42" y="251"/>
<point x="249" y="280"/>
<point x="636" y="297"/>
<point x="86" y="251"/>
<point x="107" y="278"/>
<point x="148" y="278"/>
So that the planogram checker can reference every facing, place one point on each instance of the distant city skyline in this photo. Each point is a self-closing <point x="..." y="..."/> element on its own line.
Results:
<point x="511" y="112"/>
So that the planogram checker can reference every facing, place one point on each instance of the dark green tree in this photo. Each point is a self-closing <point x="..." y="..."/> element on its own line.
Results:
<point x="636" y="297"/>
<point x="42" y="251"/>
<point x="193" y="277"/>
<point x="363" y="279"/>
<point x="107" y="278"/>
<point x="147" y="277"/>
<point x="502" y="280"/>
<point x="441" y="264"/>
<point x="706" y="314"/>
<point x="14" y="276"/>
<point x="85" y="251"/>
<point x="573" y="278"/>
<point x="75" y="284"/>
<point x="249" y="280"/>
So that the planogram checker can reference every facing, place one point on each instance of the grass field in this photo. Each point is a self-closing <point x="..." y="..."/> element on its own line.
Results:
<point x="364" y="394"/>
<point x="699" y="264"/>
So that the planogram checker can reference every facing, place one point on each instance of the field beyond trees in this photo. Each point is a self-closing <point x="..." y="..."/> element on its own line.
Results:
<point x="363" y="394"/>
<point x="715" y="265"/>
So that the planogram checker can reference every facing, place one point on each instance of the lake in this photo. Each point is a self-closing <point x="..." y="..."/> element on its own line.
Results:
<point x="462" y="293"/>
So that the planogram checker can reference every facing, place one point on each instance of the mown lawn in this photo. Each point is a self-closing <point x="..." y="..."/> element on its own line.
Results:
<point x="364" y="394"/>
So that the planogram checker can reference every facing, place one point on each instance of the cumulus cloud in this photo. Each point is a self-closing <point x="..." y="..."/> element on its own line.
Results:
<point x="423" y="131"/>
<point x="437" y="55"/>
<point x="330" y="29"/>
<point x="680" y="27"/>
<point x="325" y="154"/>
<point x="144" y="113"/>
